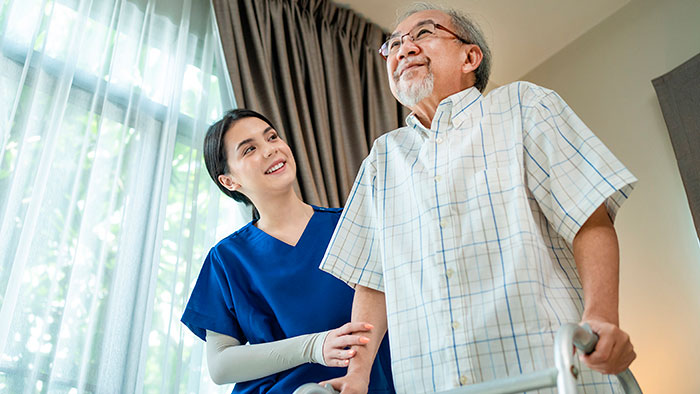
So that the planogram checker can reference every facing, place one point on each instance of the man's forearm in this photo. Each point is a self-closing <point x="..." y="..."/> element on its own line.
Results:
<point x="597" y="257"/>
<point x="368" y="306"/>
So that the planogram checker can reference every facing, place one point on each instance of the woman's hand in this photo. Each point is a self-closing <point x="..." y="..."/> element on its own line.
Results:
<point x="336" y="346"/>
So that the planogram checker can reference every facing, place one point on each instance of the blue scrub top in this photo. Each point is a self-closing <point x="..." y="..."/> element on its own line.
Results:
<point x="259" y="289"/>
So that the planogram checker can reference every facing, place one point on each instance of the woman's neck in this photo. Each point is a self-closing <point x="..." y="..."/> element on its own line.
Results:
<point x="285" y="216"/>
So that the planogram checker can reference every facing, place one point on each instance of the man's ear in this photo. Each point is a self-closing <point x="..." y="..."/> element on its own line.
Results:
<point x="473" y="58"/>
<point x="229" y="182"/>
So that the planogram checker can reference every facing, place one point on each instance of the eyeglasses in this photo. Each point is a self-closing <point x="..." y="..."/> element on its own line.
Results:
<point x="418" y="33"/>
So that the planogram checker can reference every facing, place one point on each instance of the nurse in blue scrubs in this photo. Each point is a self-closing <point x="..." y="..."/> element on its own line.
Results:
<point x="272" y="320"/>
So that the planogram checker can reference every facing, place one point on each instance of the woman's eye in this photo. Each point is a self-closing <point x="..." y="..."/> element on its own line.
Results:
<point x="273" y="136"/>
<point x="248" y="150"/>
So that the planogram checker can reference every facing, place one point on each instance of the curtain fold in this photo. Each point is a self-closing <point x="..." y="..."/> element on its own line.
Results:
<point x="313" y="68"/>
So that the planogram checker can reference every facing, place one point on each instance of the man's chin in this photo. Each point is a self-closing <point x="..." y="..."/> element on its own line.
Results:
<point x="413" y="74"/>
<point x="410" y="100"/>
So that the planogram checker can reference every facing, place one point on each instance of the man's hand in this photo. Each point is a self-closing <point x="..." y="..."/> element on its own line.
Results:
<point x="349" y="384"/>
<point x="614" y="352"/>
<point x="335" y="352"/>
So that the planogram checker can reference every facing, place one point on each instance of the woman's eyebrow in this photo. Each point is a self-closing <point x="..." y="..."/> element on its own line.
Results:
<point x="247" y="140"/>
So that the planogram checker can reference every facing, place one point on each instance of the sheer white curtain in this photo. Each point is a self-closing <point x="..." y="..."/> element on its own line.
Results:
<point x="106" y="209"/>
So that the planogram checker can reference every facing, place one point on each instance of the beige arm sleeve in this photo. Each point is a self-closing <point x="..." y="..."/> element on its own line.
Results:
<point x="231" y="362"/>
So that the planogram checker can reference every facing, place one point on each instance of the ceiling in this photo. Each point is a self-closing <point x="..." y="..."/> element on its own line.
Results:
<point x="522" y="33"/>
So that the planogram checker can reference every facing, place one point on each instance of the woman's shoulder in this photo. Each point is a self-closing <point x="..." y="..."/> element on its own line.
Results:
<point x="243" y="234"/>
<point x="326" y="218"/>
<point x="328" y="210"/>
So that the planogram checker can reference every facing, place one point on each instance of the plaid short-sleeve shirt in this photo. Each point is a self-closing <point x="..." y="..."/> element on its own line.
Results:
<point x="467" y="227"/>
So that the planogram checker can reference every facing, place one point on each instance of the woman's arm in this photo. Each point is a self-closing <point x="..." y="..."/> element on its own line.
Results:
<point x="229" y="362"/>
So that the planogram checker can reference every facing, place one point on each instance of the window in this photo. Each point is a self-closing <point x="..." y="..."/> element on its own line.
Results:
<point x="106" y="209"/>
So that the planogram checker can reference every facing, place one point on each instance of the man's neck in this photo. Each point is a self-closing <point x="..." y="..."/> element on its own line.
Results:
<point x="425" y="110"/>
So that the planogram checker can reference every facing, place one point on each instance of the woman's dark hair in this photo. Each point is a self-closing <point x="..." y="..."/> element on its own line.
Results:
<point x="215" y="153"/>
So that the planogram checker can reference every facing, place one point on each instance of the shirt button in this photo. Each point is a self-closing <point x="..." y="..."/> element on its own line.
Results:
<point x="443" y="223"/>
<point x="438" y="140"/>
<point x="438" y="178"/>
<point x="463" y="380"/>
<point x="449" y="272"/>
<point x="455" y="325"/>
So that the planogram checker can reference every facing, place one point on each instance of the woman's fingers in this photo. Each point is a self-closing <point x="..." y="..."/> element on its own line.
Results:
<point x="336" y="346"/>
<point x="336" y="362"/>
<point x="338" y="354"/>
<point x="348" y="340"/>
<point x="352" y="327"/>
<point x="340" y="358"/>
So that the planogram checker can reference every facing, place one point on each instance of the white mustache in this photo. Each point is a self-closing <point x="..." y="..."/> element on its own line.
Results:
<point x="408" y="62"/>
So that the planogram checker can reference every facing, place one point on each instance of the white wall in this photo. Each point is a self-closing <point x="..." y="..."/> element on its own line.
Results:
<point x="605" y="76"/>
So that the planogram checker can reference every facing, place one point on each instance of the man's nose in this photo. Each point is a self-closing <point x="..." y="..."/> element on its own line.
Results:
<point x="408" y="47"/>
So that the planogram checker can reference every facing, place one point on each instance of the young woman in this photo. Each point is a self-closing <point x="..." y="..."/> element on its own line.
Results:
<point x="261" y="285"/>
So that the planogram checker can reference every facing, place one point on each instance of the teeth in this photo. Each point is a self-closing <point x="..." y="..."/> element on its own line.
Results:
<point x="275" y="168"/>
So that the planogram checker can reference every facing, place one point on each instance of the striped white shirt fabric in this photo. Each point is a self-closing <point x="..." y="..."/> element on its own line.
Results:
<point x="467" y="227"/>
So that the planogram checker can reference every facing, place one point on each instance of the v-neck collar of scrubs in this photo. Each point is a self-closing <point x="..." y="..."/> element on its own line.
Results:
<point x="255" y="229"/>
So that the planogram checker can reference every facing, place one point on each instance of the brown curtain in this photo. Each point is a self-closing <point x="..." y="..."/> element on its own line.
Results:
<point x="313" y="69"/>
<point x="678" y="92"/>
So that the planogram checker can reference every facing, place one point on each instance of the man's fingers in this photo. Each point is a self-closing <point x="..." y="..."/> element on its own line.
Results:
<point x="614" y="351"/>
<point x="602" y="351"/>
<point x="333" y="382"/>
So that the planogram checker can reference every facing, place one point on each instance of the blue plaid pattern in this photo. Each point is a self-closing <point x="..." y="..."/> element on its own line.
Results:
<point x="467" y="228"/>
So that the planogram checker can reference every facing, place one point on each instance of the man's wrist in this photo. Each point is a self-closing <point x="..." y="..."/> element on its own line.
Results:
<point x="609" y="317"/>
<point x="360" y="368"/>
<point x="358" y="376"/>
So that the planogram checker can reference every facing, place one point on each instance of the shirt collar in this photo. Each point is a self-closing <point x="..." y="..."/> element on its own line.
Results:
<point x="451" y="112"/>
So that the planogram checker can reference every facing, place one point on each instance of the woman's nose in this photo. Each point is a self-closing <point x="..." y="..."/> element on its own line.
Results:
<point x="269" y="150"/>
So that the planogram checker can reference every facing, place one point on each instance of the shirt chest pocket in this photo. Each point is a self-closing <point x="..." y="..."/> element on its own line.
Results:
<point x="489" y="196"/>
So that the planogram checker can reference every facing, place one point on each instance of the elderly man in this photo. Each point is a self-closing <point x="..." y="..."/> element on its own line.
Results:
<point x="479" y="228"/>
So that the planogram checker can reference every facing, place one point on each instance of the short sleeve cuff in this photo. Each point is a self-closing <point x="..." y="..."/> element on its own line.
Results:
<point x="199" y="324"/>
<point x="617" y="194"/>
<point x="351" y="274"/>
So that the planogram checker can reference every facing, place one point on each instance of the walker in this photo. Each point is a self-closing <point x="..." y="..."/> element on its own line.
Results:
<point x="563" y="375"/>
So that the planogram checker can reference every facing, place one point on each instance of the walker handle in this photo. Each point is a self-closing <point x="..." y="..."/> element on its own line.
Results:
<point x="585" y="340"/>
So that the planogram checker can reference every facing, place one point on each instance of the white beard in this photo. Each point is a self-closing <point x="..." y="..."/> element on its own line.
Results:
<point x="412" y="93"/>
